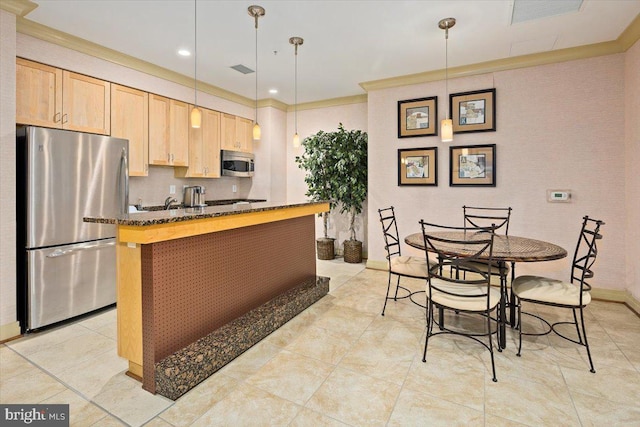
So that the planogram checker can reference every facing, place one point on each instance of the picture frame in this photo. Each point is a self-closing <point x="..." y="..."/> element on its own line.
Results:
<point x="418" y="117"/>
<point x="418" y="166"/>
<point x="473" y="111"/>
<point x="472" y="166"/>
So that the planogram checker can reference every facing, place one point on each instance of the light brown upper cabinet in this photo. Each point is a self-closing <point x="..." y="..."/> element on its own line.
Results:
<point x="236" y="133"/>
<point x="51" y="97"/>
<point x="130" y="120"/>
<point x="168" y="131"/>
<point x="204" y="148"/>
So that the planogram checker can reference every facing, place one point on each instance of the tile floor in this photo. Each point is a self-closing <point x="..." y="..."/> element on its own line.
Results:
<point x="340" y="363"/>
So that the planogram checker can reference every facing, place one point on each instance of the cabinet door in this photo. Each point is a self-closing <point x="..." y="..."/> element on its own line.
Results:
<point x="130" y="120"/>
<point x="204" y="148"/>
<point x="228" y="132"/>
<point x="211" y="143"/>
<point x="179" y="133"/>
<point x="38" y="94"/>
<point x="158" y="130"/>
<point x="244" y="134"/>
<point x="86" y="103"/>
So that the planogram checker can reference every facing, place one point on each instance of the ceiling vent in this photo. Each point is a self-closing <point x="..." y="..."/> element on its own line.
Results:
<point x="243" y="69"/>
<point x="529" y="10"/>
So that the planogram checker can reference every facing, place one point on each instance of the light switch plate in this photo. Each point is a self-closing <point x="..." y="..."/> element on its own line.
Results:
<point x="559" y="196"/>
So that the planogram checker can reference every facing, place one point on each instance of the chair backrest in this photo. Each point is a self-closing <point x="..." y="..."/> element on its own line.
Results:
<point x="390" y="231"/>
<point x="586" y="253"/>
<point x="486" y="217"/>
<point x="459" y="248"/>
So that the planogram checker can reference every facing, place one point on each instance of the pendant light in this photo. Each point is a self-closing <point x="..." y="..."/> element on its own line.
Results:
<point x="256" y="12"/>
<point x="296" y="41"/>
<point x="446" y="126"/>
<point x="196" y="115"/>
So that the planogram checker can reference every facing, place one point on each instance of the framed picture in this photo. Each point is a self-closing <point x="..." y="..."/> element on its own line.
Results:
<point x="418" y="117"/>
<point x="473" y="165"/>
<point x="418" y="166"/>
<point x="473" y="111"/>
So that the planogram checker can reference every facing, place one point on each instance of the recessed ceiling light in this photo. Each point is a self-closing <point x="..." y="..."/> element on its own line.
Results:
<point x="273" y="91"/>
<point x="184" y="52"/>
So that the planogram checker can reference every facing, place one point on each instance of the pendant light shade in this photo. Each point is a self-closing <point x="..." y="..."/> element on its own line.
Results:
<point x="256" y="12"/>
<point x="196" y="118"/>
<point x="196" y="115"/>
<point x="446" y="129"/>
<point x="296" y="41"/>
<point x="446" y="126"/>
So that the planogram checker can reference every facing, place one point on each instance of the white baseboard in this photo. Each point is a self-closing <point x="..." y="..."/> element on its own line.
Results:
<point x="9" y="331"/>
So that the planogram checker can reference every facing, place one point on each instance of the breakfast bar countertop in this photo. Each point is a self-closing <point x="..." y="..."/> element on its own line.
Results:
<point x="188" y="214"/>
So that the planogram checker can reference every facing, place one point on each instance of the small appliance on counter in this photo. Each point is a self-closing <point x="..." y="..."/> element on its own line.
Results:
<point x="237" y="163"/>
<point x="194" y="197"/>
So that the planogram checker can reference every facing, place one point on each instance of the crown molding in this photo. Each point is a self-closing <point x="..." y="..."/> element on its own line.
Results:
<point x="22" y="7"/>
<point x="524" y="61"/>
<point x="18" y="7"/>
<point x="630" y="35"/>
<point x="333" y="102"/>
<point x="627" y="39"/>
<point x="78" y="44"/>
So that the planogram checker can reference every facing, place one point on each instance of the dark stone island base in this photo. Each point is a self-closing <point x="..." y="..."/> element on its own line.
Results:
<point x="186" y="368"/>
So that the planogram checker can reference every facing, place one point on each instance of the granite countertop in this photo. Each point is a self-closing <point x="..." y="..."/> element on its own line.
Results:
<point x="153" y="217"/>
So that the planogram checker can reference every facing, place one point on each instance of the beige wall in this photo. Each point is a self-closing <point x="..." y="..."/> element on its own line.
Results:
<point x="559" y="126"/>
<point x="7" y="173"/>
<point x="632" y="155"/>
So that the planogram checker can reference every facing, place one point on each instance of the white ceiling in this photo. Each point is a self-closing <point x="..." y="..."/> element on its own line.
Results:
<point x="345" y="42"/>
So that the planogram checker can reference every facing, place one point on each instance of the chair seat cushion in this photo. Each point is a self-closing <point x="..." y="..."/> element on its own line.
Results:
<point x="463" y="302"/>
<point x="409" y="266"/>
<point x="543" y="289"/>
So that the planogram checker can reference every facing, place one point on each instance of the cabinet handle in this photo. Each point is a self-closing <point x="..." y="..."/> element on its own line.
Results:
<point x="168" y="158"/>
<point x="56" y="117"/>
<point x="65" y="118"/>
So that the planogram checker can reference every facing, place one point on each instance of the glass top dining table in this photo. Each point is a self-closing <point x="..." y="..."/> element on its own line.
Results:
<point x="505" y="249"/>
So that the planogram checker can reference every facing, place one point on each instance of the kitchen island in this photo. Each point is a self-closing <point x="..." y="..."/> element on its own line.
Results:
<point x="196" y="287"/>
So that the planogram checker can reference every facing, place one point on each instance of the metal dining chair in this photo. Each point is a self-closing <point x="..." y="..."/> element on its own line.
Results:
<point x="485" y="217"/>
<point x="472" y="295"/>
<point x="574" y="295"/>
<point x="399" y="265"/>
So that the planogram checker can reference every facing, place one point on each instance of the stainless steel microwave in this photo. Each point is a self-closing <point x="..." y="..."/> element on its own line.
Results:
<point x="237" y="163"/>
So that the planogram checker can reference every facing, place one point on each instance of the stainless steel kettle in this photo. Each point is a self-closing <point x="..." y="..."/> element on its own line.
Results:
<point x="194" y="196"/>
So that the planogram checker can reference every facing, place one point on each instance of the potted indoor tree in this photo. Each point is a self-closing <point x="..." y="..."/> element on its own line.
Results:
<point x="319" y="163"/>
<point x="350" y="154"/>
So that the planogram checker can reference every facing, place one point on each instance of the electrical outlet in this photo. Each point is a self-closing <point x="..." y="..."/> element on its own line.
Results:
<point x="172" y="189"/>
<point x="234" y="188"/>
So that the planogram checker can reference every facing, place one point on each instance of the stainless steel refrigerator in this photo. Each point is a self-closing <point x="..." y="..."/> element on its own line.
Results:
<point x="66" y="267"/>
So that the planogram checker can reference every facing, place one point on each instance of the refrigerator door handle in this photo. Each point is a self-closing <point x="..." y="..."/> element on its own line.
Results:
<point x="62" y="252"/>
<point x="124" y="181"/>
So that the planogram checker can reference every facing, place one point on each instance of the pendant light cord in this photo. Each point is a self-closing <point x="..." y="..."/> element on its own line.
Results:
<point x="195" y="51"/>
<point x="446" y="68"/>
<point x="296" y="91"/>
<point x="256" y="70"/>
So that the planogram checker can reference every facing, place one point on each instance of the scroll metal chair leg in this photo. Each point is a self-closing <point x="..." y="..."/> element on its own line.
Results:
<point x="387" y="296"/>
<point x="586" y="343"/>
<point x="493" y="364"/>
<point x="395" y="297"/>
<point x="429" y="329"/>
<point x="519" y="303"/>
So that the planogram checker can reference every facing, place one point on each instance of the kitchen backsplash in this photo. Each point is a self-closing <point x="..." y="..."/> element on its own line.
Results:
<point x="154" y="189"/>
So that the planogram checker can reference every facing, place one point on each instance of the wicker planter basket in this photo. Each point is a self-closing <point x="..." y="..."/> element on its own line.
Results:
<point x="352" y="251"/>
<point x="325" y="248"/>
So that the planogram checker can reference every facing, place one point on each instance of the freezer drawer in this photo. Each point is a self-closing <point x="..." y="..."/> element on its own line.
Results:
<point x="66" y="281"/>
